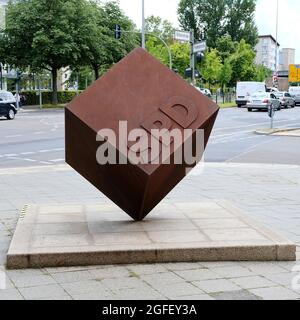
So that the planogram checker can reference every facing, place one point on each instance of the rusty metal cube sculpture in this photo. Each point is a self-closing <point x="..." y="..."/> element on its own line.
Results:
<point x="146" y="94"/>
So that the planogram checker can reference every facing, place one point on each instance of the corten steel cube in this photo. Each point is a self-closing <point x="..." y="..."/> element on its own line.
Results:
<point x="142" y="91"/>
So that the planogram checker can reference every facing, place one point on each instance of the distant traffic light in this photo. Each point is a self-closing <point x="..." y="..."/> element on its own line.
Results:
<point x="117" y="31"/>
<point x="199" y="57"/>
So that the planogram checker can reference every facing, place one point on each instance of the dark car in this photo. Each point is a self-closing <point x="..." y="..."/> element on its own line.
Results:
<point x="8" y="107"/>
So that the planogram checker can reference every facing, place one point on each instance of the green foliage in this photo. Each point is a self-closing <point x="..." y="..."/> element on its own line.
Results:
<point x="225" y="74"/>
<point x="99" y="47"/>
<point x="216" y="18"/>
<point x="211" y="67"/>
<point x="240" y="24"/>
<point x="162" y="28"/>
<point x="49" y="35"/>
<point x="32" y="97"/>
<point x="242" y="62"/>
<point x="262" y="73"/>
<point x="180" y="51"/>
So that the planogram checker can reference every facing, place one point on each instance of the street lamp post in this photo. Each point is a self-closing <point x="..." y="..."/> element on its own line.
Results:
<point x="276" y="51"/>
<point x="143" y="25"/>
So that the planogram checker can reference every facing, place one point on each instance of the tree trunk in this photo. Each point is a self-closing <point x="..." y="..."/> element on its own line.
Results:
<point x="96" y="70"/>
<point x="54" y="86"/>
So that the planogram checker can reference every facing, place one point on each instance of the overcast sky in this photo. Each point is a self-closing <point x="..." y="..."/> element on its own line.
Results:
<point x="289" y="21"/>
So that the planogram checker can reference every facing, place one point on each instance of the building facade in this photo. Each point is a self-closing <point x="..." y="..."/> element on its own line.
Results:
<point x="286" y="57"/>
<point x="2" y="16"/>
<point x="266" y="51"/>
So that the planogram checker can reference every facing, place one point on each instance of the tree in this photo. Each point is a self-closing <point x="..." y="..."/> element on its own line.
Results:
<point x="240" y="21"/>
<point x="242" y="63"/>
<point x="180" y="51"/>
<point x="44" y="35"/>
<point x="211" y="67"/>
<point x="262" y="73"/>
<point x="216" y="18"/>
<point x="225" y="74"/>
<point x="98" y="46"/>
<point x="50" y="35"/>
<point x="162" y="28"/>
<point x="225" y="46"/>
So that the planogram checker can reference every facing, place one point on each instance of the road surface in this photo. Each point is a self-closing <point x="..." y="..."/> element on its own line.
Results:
<point x="36" y="138"/>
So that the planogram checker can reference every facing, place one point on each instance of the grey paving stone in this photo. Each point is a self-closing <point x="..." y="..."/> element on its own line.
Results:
<point x="177" y="290"/>
<point x="264" y="268"/>
<point x="183" y="266"/>
<point x="232" y="272"/>
<point x="236" y="295"/>
<point x="213" y="286"/>
<point x="196" y="298"/>
<point x="162" y="279"/>
<point x="82" y="287"/>
<point x="253" y="282"/>
<point x="147" y="268"/>
<point x="64" y="277"/>
<point x="276" y="293"/>
<point x="284" y="279"/>
<point x="123" y="283"/>
<point x="94" y="296"/>
<point x="46" y="291"/>
<point x="10" y="294"/>
<point x="57" y="298"/>
<point x="200" y="274"/>
<point x="32" y="281"/>
<point x="110" y="272"/>
<point x="138" y="294"/>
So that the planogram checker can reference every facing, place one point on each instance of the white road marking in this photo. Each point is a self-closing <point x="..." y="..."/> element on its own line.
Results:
<point x="10" y="155"/>
<point x="40" y="132"/>
<point x="57" y="160"/>
<point x="30" y="160"/>
<point x="44" y="151"/>
<point x="14" y="136"/>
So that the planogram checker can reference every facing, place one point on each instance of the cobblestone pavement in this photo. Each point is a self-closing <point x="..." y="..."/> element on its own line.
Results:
<point x="269" y="193"/>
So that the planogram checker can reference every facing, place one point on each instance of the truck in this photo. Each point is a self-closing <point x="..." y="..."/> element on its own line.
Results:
<point x="245" y="89"/>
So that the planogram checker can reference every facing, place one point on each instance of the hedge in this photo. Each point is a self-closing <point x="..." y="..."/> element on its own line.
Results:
<point x="33" y="98"/>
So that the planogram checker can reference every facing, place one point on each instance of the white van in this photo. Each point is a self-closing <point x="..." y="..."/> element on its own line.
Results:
<point x="295" y="93"/>
<point x="244" y="90"/>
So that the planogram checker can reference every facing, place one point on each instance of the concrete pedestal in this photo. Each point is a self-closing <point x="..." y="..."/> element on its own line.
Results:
<point x="60" y="236"/>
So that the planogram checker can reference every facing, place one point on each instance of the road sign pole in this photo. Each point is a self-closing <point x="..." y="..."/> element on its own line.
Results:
<point x="192" y="55"/>
<point x="143" y="25"/>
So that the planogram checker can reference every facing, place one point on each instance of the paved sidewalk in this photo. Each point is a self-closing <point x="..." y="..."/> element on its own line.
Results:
<point x="268" y="193"/>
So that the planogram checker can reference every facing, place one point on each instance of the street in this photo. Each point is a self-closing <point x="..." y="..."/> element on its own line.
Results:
<point x="36" y="138"/>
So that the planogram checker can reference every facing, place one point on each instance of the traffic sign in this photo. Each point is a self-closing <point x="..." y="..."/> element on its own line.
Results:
<point x="294" y="73"/>
<point x="117" y="31"/>
<point x="199" y="47"/>
<point x="182" y="36"/>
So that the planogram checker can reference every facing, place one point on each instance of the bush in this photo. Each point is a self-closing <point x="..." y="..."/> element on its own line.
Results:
<point x="33" y="98"/>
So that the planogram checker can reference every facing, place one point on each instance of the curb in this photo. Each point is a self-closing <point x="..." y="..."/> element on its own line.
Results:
<point x="269" y="132"/>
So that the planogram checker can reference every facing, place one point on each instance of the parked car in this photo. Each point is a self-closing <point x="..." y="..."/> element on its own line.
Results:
<point x="206" y="92"/>
<point x="272" y="89"/>
<point x="262" y="101"/>
<point x="286" y="100"/>
<point x="8" y="106"/>
<point x="244" y="90"/>
<point x="295" y="93"/>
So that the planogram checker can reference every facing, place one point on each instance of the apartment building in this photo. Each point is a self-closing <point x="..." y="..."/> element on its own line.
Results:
<point x="266" y="51"/>
<point x="286" y="57"/>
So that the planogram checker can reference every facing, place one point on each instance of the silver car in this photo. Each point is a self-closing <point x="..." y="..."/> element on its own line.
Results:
<point x="286" y="100"/>
<point x="262" y="101"/>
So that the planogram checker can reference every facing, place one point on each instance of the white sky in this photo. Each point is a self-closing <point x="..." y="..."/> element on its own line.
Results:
<point x="289" y="17"/>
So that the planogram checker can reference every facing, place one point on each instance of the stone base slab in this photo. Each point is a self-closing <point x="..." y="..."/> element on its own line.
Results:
<point x="101" y="234"/>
